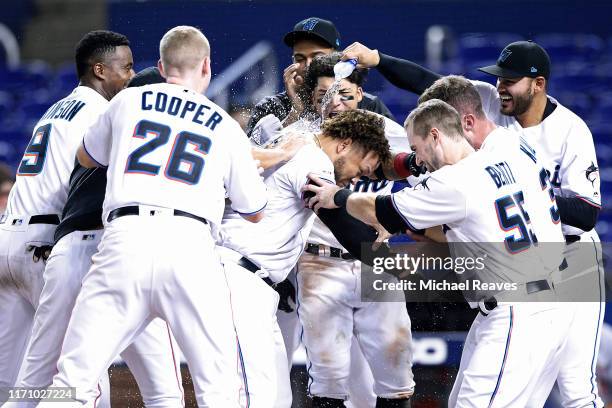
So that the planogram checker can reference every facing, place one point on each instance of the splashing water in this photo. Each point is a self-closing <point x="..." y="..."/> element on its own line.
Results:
<point x="329" y="95"/>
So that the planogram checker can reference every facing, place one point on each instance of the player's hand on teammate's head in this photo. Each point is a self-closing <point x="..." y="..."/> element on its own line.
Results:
<point x="319" y="193"/>
<point x="366" y="57"/>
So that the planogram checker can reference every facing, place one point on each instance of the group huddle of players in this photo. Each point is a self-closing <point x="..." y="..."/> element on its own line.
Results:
<point x="173" y="226"/>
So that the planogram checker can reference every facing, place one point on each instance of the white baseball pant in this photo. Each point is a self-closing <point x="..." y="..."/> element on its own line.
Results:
<point x="153" y="357"/>
<point x="581" y="290"/>
<point x="331" y="313"/>
<point x="509" y="353"/>
<point x="145" y="269"/>
<point x="21" y="280"/>
<point x="254" y="305"/>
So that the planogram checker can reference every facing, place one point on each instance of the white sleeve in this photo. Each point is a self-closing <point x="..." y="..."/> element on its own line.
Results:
<point x="308" y="160"/>
<point x="244" y="186"/>
<point x="489" y="98"/>
<point x="579" y="173"/>
<point x="396" y="135"/>
<point x="430" y="203"/>
<point x="98" y="138"/>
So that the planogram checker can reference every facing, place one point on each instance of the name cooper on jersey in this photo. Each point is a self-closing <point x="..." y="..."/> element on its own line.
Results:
<point x="176" y="106"/>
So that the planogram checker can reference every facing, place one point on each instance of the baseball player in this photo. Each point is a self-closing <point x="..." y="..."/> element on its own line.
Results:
<point x="171" y="155"/>
<point x="500" y="364"/>
<point x="348" y="145"/>
<point x="309" y="38"/>
<point x="565" y="147"/>
<point x="104" y="65"/>
<point x="153" y="358"/>
<point x="329" y="283"/>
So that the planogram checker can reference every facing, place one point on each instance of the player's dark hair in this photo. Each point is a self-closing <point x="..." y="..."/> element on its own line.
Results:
<point x="458" y="92"/>
<point x="435" y="114"/>
<point x="365" y="129"/>
<point x="323" y="66"/>
<point x="94" y="47"/>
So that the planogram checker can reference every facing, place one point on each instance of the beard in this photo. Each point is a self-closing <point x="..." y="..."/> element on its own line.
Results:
<point x="339" y="165"/>
<point x="521" y="104"/>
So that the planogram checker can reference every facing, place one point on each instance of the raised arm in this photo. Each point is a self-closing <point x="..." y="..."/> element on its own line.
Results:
<point x="400" y="72"/>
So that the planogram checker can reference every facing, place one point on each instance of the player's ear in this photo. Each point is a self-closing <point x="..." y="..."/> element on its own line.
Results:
<point x="359" y="96"/>
<point x="98" y="70"/>
<point x="161" y="68"/>
<point x="206" y="66"/>
<point x="539" y="84"/>
<point x="435" y="134"/>
<point x="468" y="122"/>
<point x="344" y="145"/>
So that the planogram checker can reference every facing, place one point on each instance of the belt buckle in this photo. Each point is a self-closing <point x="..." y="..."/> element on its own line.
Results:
<point x="152" y="210"/>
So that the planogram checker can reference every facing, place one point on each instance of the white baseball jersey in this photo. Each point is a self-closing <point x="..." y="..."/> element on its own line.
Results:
<point x="398" y="140"/>
<point x="276" y="242"/>
<point x="540" y="192"/>
<point x="168" y="146"/>
<point x="42" y="185"/>
<point x="481" y="199"/>
<point x="564" y="145"/>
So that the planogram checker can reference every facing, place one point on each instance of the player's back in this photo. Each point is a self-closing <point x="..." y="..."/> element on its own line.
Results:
<point x="44" y="172"/>
<point x="489" y="208"/>
<point x="276" y="242"/>
<point x="168" y="146"/>
<point x="564" y="145"/>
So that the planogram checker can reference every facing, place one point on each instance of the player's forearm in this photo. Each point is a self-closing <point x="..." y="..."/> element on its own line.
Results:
<point x="268" y="157"/>
<point x="406" y="74"/>
<point x="362" y="206"/>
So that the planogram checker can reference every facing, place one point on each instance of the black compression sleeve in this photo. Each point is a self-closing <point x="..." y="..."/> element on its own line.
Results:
<point x="388" y="217"/>
<point x="354" y="235"/>
<point x="577" y="213"/>
<point x="406" y="74"/>
<point x="349" y="231"/>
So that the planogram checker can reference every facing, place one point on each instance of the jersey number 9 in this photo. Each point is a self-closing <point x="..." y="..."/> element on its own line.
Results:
<point x="182" y="165"/>
<point x="36" y="152"/>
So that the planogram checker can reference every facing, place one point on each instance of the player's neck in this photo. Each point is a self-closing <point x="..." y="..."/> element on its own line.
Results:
<point x="533" y="116"/>
<point x="462" y="150"/>
<point x="96" y="86"/>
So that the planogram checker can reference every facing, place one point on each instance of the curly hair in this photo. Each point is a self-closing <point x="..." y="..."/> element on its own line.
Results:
<point x="365" y="129"/>
<point x="323" y="66"/>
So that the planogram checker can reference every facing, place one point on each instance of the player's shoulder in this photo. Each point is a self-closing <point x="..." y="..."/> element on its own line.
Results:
<point x="563" y="117"/>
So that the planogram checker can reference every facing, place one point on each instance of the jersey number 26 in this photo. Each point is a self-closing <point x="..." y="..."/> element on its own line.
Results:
<point x="182" y="165"/>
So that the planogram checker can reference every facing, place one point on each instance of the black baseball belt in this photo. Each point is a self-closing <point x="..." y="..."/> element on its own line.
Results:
<point x="325" y="250"/>
<point x="135" y="210"/>
<point x="531" y="287"/>
<point x="52" y="219"/>
<point x="250" y="266"/>
<point x="570" y="239"/>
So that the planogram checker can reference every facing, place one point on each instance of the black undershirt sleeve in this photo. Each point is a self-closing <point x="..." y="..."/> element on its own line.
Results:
<point x="348" y="230"/>
<point x="577" y="213"/>
<point x="406" y="74"/>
